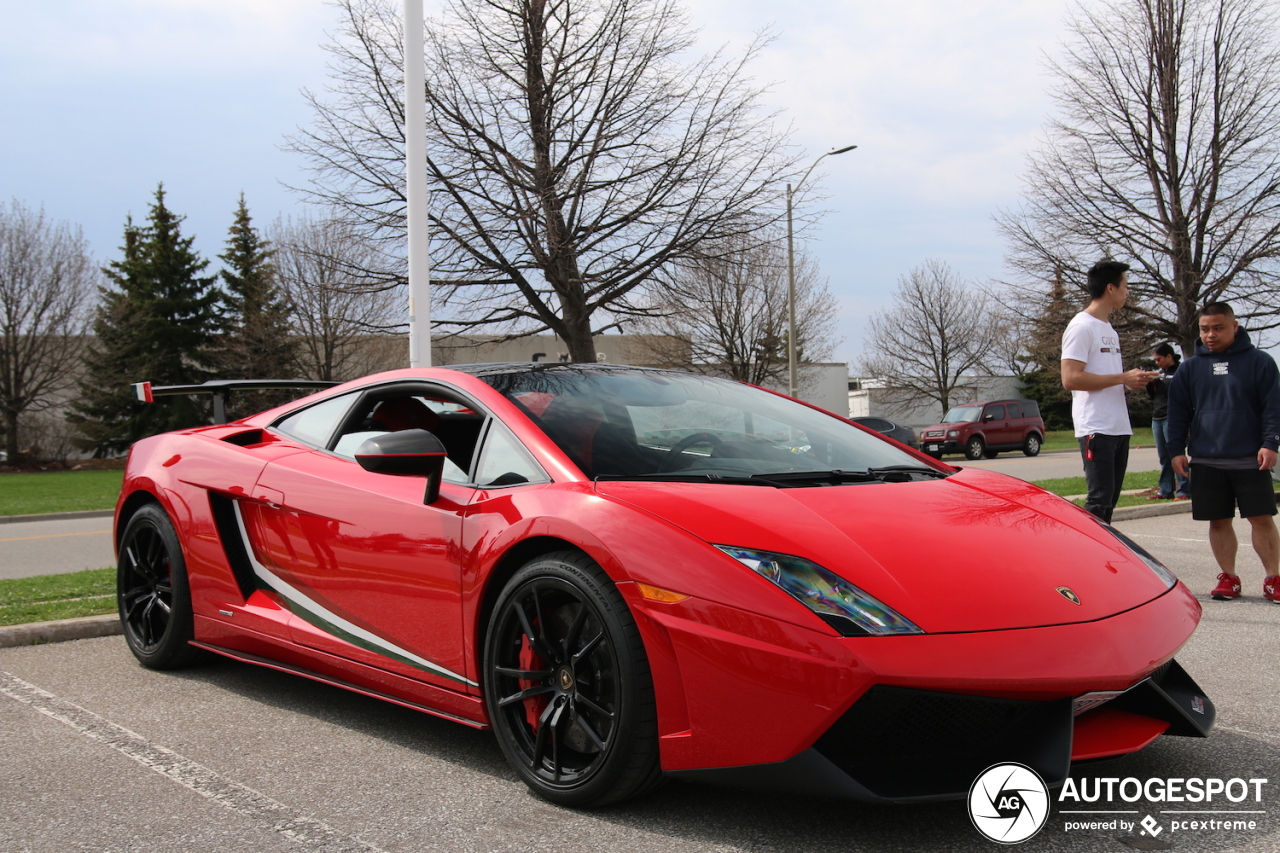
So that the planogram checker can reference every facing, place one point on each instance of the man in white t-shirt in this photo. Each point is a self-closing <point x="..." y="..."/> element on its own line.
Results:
<point x="1094" y="373"/>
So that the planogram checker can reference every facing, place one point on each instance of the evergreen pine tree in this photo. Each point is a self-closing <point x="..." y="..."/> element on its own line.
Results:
<point x="256" y="342"/>
<point x="1044" y="382"/>
<point x="156" y="322"/>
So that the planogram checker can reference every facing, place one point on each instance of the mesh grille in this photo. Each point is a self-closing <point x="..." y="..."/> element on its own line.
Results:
<point x="900" y="742"/>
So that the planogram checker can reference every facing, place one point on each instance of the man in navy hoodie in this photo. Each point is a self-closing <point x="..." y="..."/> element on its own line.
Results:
<point x="1224" y="408"/>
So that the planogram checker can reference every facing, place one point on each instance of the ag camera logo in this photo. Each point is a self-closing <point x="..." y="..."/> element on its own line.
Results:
<point x="1008" y="803"/>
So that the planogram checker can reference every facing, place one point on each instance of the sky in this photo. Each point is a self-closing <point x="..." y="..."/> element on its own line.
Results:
<point x="102" y="102"/>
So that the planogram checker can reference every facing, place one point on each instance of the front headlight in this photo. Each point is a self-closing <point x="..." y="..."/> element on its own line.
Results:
<point x="837" y="602"/>
<point x="953" y="433"/>
<point x="1161" y="570"/>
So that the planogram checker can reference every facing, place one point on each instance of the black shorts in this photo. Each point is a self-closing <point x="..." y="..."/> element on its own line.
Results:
<point x="1216" y="492"/>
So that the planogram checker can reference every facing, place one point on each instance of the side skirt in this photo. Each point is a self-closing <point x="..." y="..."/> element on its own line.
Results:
<point x="280" y="666"/>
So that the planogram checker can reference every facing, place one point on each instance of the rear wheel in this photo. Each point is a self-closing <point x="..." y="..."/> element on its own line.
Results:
<point x="152" y="593"/>
<point x="974" y="448"/>
<point x="567" y="684"/>
<point x="1031" y="447"/>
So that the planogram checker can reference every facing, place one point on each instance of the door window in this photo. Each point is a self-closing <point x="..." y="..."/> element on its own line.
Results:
<point x="505" y="462"/>
<point x="315" y="424"/>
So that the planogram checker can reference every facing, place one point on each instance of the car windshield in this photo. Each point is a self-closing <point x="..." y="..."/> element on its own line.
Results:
<point x="652" y="424"/>
<point x="963" y="415"/>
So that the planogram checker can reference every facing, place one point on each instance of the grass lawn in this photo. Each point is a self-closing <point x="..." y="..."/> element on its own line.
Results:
<point x="49" y="597"/>
<point x="58" y="491"/>
<point x="1067" y="486"/>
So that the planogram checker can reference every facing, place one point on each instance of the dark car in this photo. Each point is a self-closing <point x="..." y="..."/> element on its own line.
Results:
<point x="884" y="426"/>
<point x="984" y="429"/>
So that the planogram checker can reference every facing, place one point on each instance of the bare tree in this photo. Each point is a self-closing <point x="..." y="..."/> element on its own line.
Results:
<point x="727" y="313"/>
<point x="342" y="317"/>
<point x="47" y="282"/>
<point x="937" y="336"/>
<point x="575" y="154"/>
<point x="1166" y="154"/>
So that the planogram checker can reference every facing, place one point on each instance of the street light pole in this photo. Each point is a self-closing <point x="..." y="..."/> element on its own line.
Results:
<point x="417" y="211"/>
<point x="791" y="273"/>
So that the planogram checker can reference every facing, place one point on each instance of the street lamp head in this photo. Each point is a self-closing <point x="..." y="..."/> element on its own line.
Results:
<point x="842" y="150"/>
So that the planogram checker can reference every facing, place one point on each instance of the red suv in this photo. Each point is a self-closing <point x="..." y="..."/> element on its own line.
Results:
<point x="985" y="429"/>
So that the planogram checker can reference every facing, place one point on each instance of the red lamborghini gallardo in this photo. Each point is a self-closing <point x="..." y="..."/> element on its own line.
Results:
<point x="630" y="573"/>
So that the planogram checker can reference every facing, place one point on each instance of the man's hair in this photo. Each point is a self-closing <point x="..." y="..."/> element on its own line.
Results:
<point x="1104" y="273"/>
<point x="1166" y="349"/>
<point x="1218" y="308"/>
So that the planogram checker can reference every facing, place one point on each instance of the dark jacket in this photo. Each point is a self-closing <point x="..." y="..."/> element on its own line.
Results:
<point x="1159" y="392"/>
<point x="1225" y="405"/>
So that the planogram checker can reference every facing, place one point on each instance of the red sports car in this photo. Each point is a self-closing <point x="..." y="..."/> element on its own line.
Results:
<point x="629" y="573"/>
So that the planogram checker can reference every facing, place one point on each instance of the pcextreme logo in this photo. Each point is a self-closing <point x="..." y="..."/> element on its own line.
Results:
<point x="1008" y="803"/>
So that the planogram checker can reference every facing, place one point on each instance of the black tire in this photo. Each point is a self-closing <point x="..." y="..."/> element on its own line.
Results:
<point x="974" y="448"/>
<point x="990" y="454"/>
<point x="580" y="729"/>
<point x="1031" y="446"/>
<point x="152" y="593"/>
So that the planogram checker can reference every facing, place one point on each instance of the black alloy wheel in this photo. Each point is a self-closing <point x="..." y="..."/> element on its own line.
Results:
<point x="975" y="448"/>
<point x="567" y="685"/>
<point x="152" y="593"/>
<point x="1031" y="447"/>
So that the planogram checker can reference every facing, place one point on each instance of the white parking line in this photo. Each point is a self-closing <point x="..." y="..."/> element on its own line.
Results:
<point x="276" y="816"/>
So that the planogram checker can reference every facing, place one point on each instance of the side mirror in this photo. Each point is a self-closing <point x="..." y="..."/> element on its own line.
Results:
<point x="408" y="453"/>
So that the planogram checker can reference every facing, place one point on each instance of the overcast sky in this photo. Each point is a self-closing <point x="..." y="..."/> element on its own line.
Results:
<point x="103" y="101"/>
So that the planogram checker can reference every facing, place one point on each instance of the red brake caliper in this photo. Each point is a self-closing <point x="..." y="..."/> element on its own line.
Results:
<point x="534" y="705"/>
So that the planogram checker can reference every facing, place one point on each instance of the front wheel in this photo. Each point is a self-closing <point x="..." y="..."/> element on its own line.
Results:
<point x="152" y="593"/>
<point x="1031" y="447"/>
<point x="974" y="448"/>
<point x="567" y="684"/>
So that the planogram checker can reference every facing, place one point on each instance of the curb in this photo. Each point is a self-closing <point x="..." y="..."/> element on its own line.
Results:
<point x="1121" y="513"/>
<point x="39" y="633"/>
<point x="55" y="516"/>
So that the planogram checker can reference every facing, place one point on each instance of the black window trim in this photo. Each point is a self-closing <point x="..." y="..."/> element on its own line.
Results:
<point x="428" y="388"/>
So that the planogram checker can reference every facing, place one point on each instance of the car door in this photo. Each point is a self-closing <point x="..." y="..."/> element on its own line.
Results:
<point x="995" y="426"/>
<point x="1016" y="423"/>
<point x="369" y="571"/>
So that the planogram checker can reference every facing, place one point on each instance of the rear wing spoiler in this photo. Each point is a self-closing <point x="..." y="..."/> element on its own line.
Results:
<point x="221" y="389"/>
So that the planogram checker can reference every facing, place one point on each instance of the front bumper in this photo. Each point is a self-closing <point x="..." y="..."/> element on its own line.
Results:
<point x="747" y="700"/>
<point x="904" y="745"/>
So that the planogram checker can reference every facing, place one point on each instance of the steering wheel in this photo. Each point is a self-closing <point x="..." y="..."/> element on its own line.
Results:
<point x="673" y="455"/>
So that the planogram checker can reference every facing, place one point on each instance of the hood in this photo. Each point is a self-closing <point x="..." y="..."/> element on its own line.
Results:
<point x="978" y="551"/>
<point x="1241" y="343"/>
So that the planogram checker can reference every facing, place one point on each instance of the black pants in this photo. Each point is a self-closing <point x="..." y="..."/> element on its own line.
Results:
<point x="1105" y="459"/>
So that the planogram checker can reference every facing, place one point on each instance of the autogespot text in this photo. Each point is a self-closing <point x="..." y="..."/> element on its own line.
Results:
<point x="1130" y="790"/>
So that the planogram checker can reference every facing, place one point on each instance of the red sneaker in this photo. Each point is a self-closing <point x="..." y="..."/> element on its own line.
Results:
<point x="1228" y="587"/>
<point x="1271" y="588"/>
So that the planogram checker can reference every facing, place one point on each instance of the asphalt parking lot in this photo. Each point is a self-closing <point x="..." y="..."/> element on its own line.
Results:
<point x="103" y="755"/>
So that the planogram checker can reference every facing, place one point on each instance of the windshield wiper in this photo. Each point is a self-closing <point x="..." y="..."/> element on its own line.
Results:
<point x="834" y="477"/>
<point x="787" y="479"/>
<point x="837" y="477"/>
<point x="683" y="477"/>
<point x="910" y="469"/>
